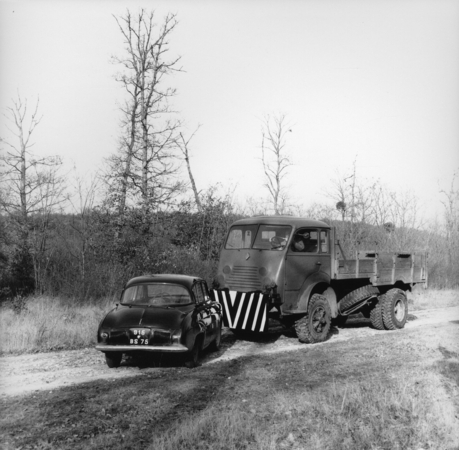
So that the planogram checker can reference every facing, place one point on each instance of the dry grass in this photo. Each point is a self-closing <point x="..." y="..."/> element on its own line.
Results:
<point x="41" y="324"/>
<point x="394" y="414"/>
<point x="433" y="299"/>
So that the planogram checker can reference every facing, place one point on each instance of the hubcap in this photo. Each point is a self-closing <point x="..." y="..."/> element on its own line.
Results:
<point x="399" y="310"/>
<point x="318" y="320"/>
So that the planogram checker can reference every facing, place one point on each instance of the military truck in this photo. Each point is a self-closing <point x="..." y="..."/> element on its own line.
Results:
<point x="294" y="270"/>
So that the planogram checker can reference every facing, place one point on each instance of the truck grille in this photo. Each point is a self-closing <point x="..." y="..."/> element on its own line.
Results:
<point x="244" y="279"/>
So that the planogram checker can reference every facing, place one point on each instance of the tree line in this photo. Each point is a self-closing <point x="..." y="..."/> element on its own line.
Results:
<point x="140" y="216"/>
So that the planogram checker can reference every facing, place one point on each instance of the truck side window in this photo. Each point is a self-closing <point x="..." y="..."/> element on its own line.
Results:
<point x="324" y="241"/>
<point x="305" y="241"/>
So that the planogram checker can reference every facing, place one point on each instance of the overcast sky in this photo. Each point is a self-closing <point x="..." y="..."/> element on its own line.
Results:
<point x="376" y="80"/>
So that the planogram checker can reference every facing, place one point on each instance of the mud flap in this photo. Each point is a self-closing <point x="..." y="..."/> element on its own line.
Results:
<point x="246" y="311"/>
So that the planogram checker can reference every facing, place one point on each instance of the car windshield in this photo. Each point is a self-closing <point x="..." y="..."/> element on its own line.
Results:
<point x="272" y="237"/>
<point x="156" y="294"/>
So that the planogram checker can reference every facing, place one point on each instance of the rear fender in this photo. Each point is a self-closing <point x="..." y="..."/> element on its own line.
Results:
<point x="191" y="337"/>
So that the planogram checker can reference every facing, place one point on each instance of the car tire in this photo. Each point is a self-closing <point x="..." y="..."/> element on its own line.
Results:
<point x="192" y="357"/>
<point x="315" y="325"/>
<point x="113" y="359"/>
<point x="395" y="309"/>
<point x="217" y="342"/>
<point x="376" y="317"/>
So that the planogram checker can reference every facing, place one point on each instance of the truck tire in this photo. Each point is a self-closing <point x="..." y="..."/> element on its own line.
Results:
<point x="315" y="325"/>
<point x="395" y="309"/>
<point x="376" y="317"/>
<point x="352" y="301"/>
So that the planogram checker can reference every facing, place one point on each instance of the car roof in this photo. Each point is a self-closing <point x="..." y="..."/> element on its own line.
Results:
<point x="184" y="280"/>
<point x="282" y="220"/>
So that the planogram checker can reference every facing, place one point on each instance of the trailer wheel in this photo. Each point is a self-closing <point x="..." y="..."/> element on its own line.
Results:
<point x="395" y="309"/>
<point x="315" y="325"/>
<point x="376" y="316"/>
<point x="355" y="299"/>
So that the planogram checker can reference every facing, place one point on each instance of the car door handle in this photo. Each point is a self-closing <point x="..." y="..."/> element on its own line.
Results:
<point x="318" y="263"/>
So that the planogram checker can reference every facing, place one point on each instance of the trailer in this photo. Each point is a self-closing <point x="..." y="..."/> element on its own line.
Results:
<point x="294" y="270"/>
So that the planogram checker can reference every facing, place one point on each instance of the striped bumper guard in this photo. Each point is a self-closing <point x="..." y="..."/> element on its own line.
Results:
<point x="243" y="310"/>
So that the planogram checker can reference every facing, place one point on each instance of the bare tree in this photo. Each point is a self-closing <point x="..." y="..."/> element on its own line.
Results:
<point x="275" y="159"/>
<point x="33" y="185"/>
<point x="183" y="145"/>
<point x="451" y="215"/>
<point x="147" y="163"/>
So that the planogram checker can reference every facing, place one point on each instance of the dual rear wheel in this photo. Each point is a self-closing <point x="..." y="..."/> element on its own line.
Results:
<point x="390" y="311"/>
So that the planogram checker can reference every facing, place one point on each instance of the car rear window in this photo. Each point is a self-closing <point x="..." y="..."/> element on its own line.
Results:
<point x="156" y="294"/>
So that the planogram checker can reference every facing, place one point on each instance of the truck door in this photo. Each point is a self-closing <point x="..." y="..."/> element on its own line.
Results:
<point x="308" y="253"/>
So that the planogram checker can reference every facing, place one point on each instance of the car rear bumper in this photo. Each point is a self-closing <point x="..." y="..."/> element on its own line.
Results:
<point x="176" y="348"/>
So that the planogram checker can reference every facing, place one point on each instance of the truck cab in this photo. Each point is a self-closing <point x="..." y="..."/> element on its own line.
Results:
<point x="281" y="256"/>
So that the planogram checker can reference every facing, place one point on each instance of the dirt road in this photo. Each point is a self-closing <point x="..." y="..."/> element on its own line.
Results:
<point x="48" y="371"/>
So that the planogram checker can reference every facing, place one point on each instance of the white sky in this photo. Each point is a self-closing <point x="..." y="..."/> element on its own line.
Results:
<point x="377" y="79"/>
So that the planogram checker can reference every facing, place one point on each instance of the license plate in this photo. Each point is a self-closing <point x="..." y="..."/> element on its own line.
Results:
<point x="139" y="336"/>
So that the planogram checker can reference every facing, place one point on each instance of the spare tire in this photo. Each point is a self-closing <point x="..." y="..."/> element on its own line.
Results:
<point x="356" y="299"/>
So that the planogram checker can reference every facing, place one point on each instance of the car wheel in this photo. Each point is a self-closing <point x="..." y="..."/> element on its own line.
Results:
<point x="113" y="359"/>
<point x="217" y="343"/>
<point x="192" y="358"/>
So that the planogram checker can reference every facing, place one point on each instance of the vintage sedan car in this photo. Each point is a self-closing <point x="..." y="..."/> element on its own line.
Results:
<point x="162" y="314"/>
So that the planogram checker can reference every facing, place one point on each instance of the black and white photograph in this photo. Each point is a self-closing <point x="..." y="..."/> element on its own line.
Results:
<point x="229" y="225"/>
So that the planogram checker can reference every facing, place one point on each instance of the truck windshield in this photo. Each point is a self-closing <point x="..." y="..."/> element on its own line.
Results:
<point x="241" y="236"/>
<point x="156" y="294"/>
<point x="260" y="237"/>
<point x="272" y="237"/>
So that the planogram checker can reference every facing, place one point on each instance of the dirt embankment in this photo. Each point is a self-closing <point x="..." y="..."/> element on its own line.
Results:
<point x="48" y="371"/>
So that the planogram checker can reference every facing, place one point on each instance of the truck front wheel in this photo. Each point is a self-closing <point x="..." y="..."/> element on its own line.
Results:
<point x="395" y="309"/>
<point x="315" y="325"/>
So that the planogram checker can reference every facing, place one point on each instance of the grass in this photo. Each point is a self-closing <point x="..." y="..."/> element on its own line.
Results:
<point x="432" y="299"/>
<point x="42" y="324"/>
<point x="400" y="414"/>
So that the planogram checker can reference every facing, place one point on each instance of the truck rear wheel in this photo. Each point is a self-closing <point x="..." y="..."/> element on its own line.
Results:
<point x="355" y="299"/>
<point x="376" y="317"/>
<point x="395" y="309"/>
<point x="315" y="325"/>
